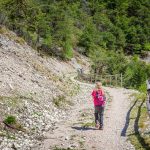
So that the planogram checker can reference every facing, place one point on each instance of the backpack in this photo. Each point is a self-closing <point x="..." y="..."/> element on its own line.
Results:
<point x="100" y="97"/>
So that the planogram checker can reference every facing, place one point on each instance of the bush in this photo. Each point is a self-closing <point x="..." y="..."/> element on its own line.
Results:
<point x="10" y="120"/>
<point x="111" y="25"/>
<point x="135" y="72"/>
<point x="59" y="101"/>
<point x="68" y="51"/>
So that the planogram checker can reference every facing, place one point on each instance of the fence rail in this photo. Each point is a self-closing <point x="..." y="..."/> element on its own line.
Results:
<point x="107" y="80"/>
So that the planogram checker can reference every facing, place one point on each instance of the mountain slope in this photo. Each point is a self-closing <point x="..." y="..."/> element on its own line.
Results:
<point x="33" y="88"/>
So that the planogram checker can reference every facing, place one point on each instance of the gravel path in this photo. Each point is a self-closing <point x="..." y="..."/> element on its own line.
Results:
<point x="77" y="132"/>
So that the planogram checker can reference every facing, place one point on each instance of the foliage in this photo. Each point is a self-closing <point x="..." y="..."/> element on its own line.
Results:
<point x="102" y="30"/>
<point x="112" y="25"/>
<point x="99" y="59"/>
<point x="135" y="72"/>
<point x="10" y="120"/>
<point x="139" y="135"/>
<point x="61" y="101"/>
<point x="58" y="148"/>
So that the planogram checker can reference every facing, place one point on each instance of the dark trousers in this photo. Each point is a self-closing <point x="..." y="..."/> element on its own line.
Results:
<point x="99" y="112"/>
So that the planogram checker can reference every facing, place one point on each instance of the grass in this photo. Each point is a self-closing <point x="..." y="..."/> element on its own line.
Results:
<point x="5" y="31"/>
<point x="37" y="114"/>
<point x="66" y="86"/>
<point x="88" y="124"/>
<point x="139" y="137"/>
<point x="45" y="71"/>
<point x="69" y="88"/>
<point x="10" y="120"/>
<point x="2" y="30"/>
<point x="12" y="124"/>
<point x="19" y="40"/>
<point x="7" y="134"/>
<point x="10" y="100"/>
<point x="74" y="91"/>
<point x="61" y="101"/>
<point x="15" y="100"/>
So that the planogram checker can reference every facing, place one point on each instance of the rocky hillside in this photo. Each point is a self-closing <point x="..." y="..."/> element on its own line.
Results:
<point x="34" y="89"/>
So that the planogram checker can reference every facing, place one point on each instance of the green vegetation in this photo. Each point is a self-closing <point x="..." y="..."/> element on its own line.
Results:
<point x="104" y="30"/>
<point x="58" y="27"/>
<point x="88" y="124"/>
<point x="114" y="34"/>
<point x="139" y="121"/>
<point x="10" y="120"/>
<point x="9" y="135"/>
<point x="10" y="101"/>
<point x="57" y="148"/>
<point x="61" y="101"/>
<point x="135" y="72"/>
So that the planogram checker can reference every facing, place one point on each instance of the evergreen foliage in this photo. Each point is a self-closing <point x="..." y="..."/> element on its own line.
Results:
<point x="112" y="25"/>
<point x="104" y="30"/>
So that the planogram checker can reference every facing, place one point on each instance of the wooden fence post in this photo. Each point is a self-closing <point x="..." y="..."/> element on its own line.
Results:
<point x="110" y="80"/>
<point x="121" y="80"/>
<point x="116" y="79"/>
<point x="96" y="75"/>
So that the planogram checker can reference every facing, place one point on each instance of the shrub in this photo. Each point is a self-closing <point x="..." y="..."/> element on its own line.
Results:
<point x="10" y="120"/>
<point x="135" y="72"/>
<point x="59" y="101"/>
<point x="68" y="51"/>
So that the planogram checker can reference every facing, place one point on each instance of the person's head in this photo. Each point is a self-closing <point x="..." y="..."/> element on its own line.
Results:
<point x="98" y="85"/>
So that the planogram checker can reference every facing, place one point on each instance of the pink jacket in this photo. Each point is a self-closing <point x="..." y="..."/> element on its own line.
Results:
<point x="98" y="97"/>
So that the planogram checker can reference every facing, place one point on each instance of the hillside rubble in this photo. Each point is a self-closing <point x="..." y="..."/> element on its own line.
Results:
<point x="34" y="89"/>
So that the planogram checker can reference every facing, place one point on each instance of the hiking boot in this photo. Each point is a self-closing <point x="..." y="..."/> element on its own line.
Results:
<point x="101" y="127"/>
<point x="97" y="126"/>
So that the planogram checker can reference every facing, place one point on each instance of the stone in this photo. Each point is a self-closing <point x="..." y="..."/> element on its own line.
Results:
<point x="66" y="138"/>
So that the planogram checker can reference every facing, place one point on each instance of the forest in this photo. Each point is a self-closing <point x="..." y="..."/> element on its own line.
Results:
<point x="114" y="34"/>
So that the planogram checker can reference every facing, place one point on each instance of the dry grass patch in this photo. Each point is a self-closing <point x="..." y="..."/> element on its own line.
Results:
<point x="45" y="71"/>
<point x="11" y="36"/>
<point x="61" y="101"/>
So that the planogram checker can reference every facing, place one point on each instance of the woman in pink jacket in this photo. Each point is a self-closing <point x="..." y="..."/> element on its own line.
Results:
<point x="99" y="103"/>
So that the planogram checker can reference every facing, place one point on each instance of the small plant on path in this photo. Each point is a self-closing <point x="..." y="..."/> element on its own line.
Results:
<point x="10" y="120"/>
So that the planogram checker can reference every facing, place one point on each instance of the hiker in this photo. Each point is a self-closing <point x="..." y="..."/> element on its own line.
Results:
<point x="99" y="103"/>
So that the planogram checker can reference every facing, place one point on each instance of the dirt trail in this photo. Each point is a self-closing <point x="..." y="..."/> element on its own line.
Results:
<point x="77" y="132"/>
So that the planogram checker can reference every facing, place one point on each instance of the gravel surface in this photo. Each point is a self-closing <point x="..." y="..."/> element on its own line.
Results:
<point x="30" y="82"/>
<point x="74" y="134"/>
<point x="30" y="86"/>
